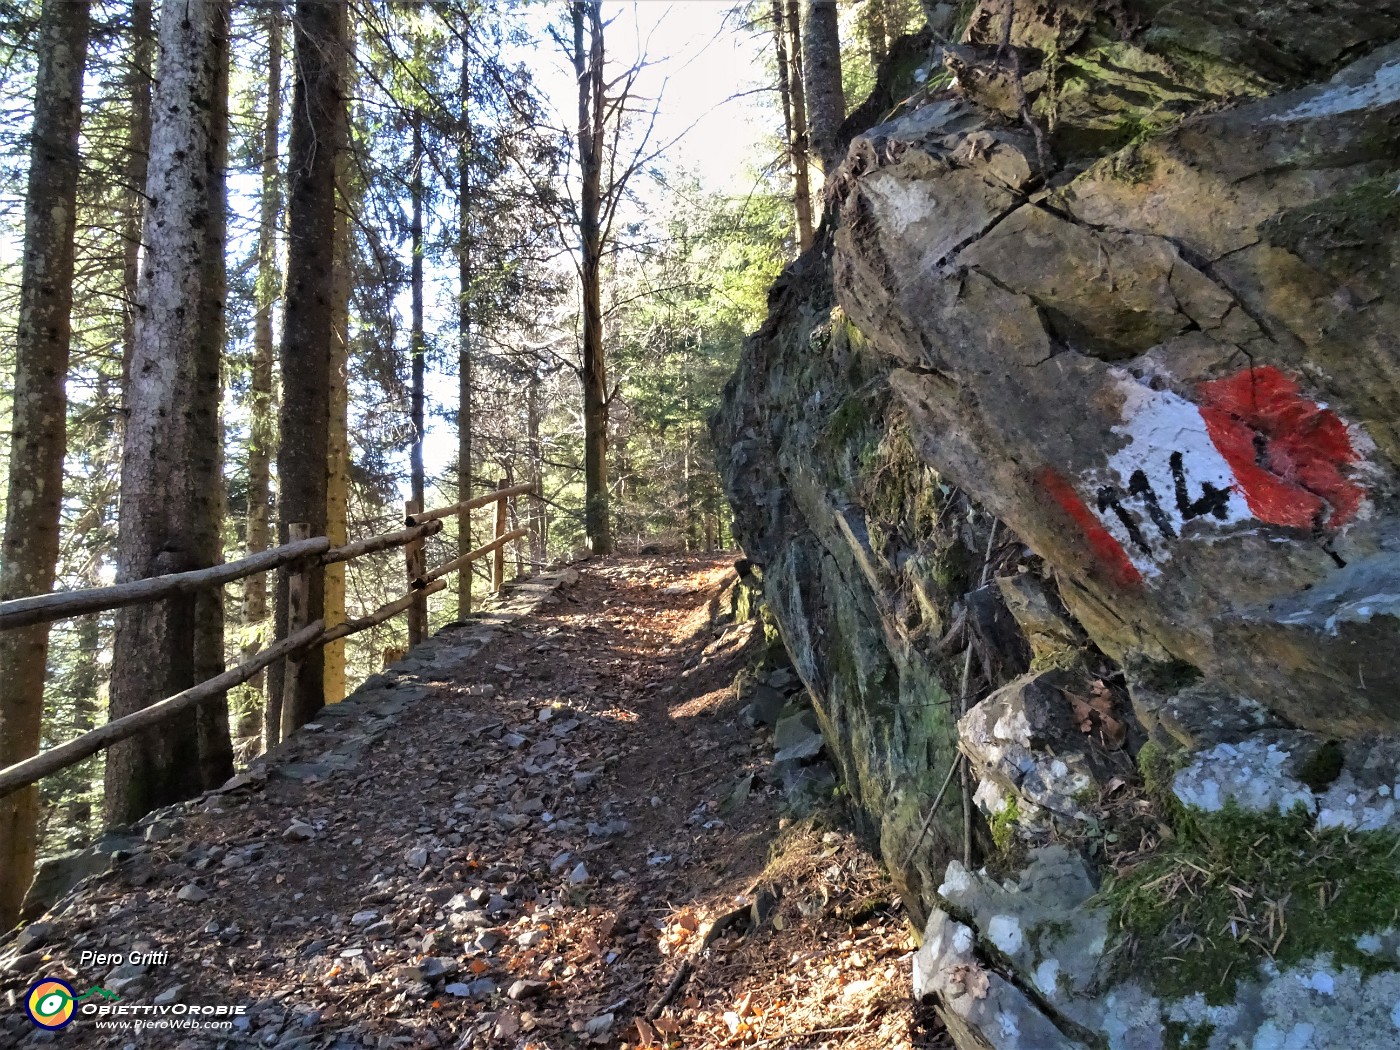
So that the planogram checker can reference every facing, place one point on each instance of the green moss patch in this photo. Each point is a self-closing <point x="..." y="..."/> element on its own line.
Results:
<point x="1157" y="771"/>
<point x="900" y="490"/>
<point x="1004" y="824"/>
<point x="1235" y="888"/>
<point x="1341" y="230"/>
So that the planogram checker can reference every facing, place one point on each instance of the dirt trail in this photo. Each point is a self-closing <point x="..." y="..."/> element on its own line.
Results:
<point x="524" y="860"/>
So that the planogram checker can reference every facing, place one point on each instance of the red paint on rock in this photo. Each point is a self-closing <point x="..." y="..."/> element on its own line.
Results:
<point x="1106" y="548"/>
<point x="1288" y="453"/>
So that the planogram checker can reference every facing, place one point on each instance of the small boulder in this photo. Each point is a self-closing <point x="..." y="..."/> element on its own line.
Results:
<point x="527" y="989"/>
<point x="35" y="935"/>
<point x="299" y="831"/>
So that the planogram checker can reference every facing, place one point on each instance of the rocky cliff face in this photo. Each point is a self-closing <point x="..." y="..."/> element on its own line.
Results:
<point x="1073" y="445"/>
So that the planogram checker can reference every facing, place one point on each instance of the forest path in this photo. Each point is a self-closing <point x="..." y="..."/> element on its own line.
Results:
<point x="522" y="860"/>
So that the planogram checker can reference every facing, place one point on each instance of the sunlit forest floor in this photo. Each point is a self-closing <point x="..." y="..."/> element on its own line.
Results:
<point x="537" y="858"/>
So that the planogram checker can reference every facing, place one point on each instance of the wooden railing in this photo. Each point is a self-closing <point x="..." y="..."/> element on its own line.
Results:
<point x="303" y="555"/>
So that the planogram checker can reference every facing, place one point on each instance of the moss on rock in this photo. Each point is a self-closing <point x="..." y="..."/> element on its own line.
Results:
<point x="1235" y="889"/>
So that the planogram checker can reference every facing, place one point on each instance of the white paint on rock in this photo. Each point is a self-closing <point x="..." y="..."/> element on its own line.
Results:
<point x="1005" y="932"/>
<point x="1010" y="1027"/>
<point x="1047" y="976"/>
<point x="963" y="939"/>
<point x="1154" y="425"/>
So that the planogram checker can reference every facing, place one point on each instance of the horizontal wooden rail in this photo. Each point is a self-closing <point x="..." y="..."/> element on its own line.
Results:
<point x="381" y="543"/>
<point x="471" y="504"/>
<point x="45" y="608"/>
<point x="22" y="774"/>
<point x="384" y="612"/>
<point x="61" y="605"/>
<point x="466" y="559"/>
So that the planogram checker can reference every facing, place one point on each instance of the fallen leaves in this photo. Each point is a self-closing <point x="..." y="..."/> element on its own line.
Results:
<point x="1096" y="711"/>
<point x="742" y="1021"/>
<point x="681" y="927"/>
<point x="971" y="979"/>
<point x="594" y="938"/>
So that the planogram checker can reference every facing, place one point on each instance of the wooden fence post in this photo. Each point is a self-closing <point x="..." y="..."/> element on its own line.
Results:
<point x="298" y="611"/>
<point x="498" y="561"/>
<point x="417" y="568"/>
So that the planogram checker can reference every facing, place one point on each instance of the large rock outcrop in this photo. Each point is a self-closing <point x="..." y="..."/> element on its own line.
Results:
<point x="1073" y="444"/>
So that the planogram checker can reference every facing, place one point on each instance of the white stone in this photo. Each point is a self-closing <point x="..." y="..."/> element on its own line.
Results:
<point x="955" y="881"/>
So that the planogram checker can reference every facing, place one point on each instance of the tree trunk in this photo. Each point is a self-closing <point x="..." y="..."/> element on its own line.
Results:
<point x="138" y="153"/>
<point x="877" y="31"/>
<point x="821" y="68"/>
<point x="588" y="67"/>
<point x="692" y="524"/>
<point x="338" y="437"/>
<point x="38" y="428"/>
<point x="215" y="741"/>
<point x="308" y="323"/>
<point x="170" y="481"/>
<point x="796" y="156"/>
<point x="801" y="146"/>
<point x="416" y="344"/>
<point x="464" y="329"/>
<point x="538" y="550"/>
<point x="262" y="431"/>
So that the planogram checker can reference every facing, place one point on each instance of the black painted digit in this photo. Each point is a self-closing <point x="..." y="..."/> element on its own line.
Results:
<point x="1109" y="498"/>
<point x="1138" y="485"/>
<point x="1213" y="500"/>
